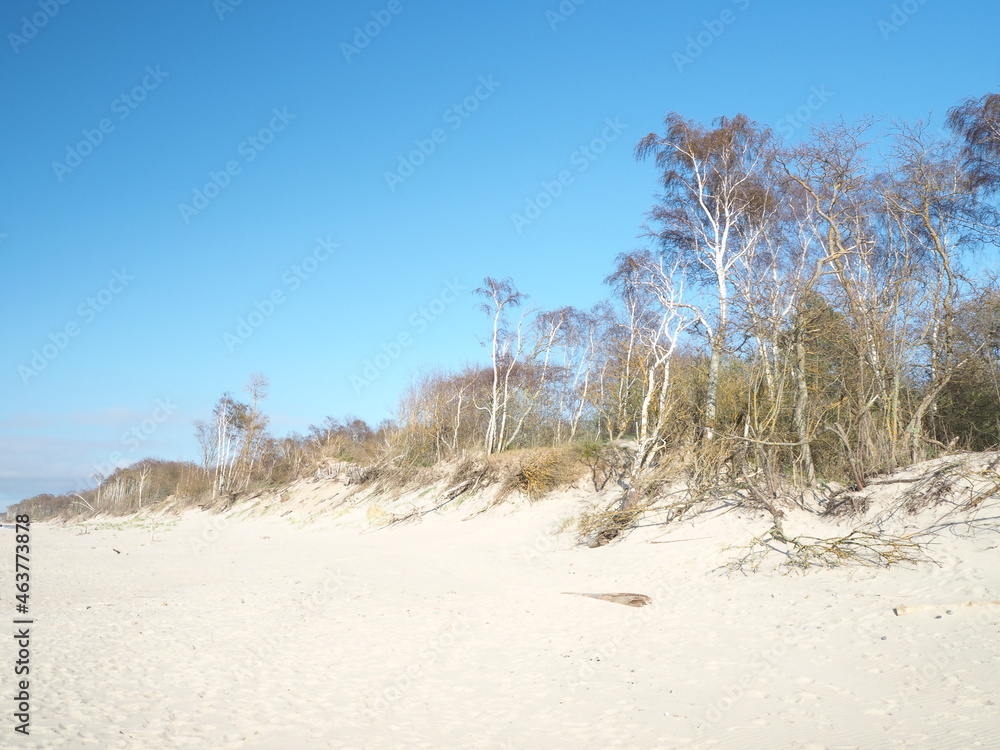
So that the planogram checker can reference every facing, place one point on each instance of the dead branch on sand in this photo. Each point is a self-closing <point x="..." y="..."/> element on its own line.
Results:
<point x="394" y="519"/>
<point x="865" y="547"/>
<point x="909" y="609"/>
<point x="629" y="600"/>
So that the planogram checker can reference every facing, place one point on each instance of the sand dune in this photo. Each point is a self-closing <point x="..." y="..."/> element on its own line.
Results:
<point x="270" y="633"/>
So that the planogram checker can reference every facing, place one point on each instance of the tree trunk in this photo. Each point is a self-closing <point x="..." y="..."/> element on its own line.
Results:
<point x="914" y="430"/>
<point x="799" y="413"/>
<point x="712" y="391"/>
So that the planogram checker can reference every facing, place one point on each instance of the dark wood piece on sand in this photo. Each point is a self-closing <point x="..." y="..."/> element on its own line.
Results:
<point x="629" y="600"/>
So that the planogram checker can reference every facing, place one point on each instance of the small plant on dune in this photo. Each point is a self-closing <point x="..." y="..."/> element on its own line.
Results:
<point x="539" y="473"/>
<point x="600" y="527"/>
<point x="481" y="471"/>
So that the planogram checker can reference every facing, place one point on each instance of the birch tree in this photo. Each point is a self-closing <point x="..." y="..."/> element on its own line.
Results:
<point x="977" y="124"/>
<point x="504" y="347"/>
<point x="254" y="429"/>
<point x="932" y="204"/>
<point x="837" y="186"/>
<point x="647" y="285"/>
<point x="709" y="215"/>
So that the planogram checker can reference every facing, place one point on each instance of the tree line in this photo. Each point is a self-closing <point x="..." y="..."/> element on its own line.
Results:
<point x="820" y="309"/>
<point x="813" y="310"/>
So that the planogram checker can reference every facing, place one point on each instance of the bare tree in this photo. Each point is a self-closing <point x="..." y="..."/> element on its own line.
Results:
<point x="144" y="470"/>
<point x="930" y="203"/>
<point x="204" y="434"/>
<point x="505" y="351"/>
<point x="578" y="349"/>
<point x="437" y="413"/>
<point x="229" y="425"/>
<point x="841" y="206"/>
<point x="643" y="281"/>
<point x="977" y="123"/>
<point x="710" y="214"/>
<point x="254" y="432"/>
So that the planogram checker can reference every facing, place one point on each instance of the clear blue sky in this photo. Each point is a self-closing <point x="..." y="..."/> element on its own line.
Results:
<point x="300" y="131"/>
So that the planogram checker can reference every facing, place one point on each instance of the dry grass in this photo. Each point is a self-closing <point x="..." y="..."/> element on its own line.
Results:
<point x="481" y="469"/>
<point x="535" y="473"/>
<point x="391" y="476"/>
<point x="599" y="527"/>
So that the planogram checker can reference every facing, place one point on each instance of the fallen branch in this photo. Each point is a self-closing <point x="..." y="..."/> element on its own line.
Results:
<point x="909" y="609"/>
<point x="674" y="541"/>
<point x="85" y="504"/>
<point x="863" y="547"/>
<point x="629" y="600"/>
<point x="416" y="513"/>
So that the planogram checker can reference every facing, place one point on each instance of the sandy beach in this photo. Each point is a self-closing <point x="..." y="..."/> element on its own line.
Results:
<point x="257" y="630"/>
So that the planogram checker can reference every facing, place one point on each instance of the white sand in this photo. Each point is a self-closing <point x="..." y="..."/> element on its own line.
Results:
<point x="454" y="633"/>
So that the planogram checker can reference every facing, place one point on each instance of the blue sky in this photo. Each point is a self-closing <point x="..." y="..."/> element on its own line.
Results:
<point x="338" y="174"/>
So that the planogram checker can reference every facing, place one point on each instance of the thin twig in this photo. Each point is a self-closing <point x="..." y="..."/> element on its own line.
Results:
<point x="672" y="541"/>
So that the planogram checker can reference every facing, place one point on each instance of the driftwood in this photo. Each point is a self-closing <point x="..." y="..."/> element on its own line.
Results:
<point x="907" y="609"/>
<point x="455" y="491"/>
<point x="629" y="600"/>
